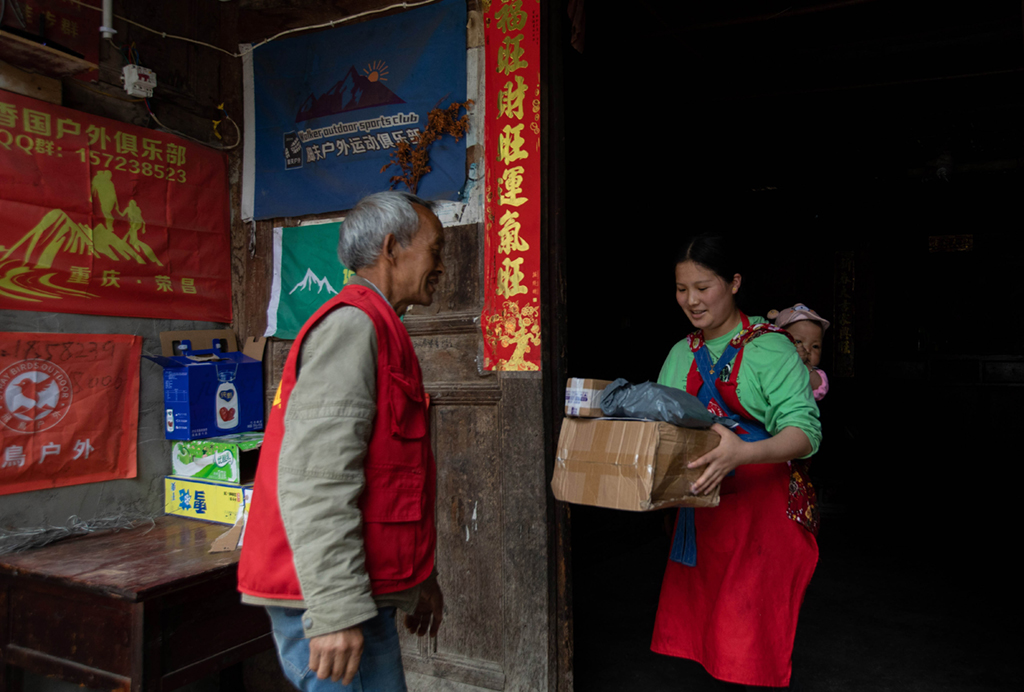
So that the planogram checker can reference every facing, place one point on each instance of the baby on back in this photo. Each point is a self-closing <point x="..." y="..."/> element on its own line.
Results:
<point x="807" y="329"/>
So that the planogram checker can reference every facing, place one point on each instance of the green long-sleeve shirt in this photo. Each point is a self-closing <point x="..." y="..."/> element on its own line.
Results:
<point x="773" y="384"/>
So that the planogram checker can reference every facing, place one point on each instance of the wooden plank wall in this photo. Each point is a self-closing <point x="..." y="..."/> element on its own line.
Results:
<point x="27" y="84"/>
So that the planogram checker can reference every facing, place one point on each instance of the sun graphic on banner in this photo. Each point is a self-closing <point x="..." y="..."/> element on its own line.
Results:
<point x="376" y="71"/>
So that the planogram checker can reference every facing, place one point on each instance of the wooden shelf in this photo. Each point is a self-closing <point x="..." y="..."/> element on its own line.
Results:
<point x="31" y="56"/>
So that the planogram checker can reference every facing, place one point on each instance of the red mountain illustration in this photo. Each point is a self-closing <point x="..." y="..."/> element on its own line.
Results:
<point x="352" y="93"/>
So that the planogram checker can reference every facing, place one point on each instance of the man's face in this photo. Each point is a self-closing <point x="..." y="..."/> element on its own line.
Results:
<point x="418" y="267"/>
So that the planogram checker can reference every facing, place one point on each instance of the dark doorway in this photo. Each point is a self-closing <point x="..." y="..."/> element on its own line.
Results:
<point x="868" y="159"/>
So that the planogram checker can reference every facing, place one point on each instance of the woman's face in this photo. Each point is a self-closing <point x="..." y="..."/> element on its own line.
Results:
<point x="707" y="298"/>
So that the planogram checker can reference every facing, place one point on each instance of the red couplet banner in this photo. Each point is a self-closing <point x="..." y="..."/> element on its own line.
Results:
<point x="102" y="218"/>
<point x="511" y="314"/>
<point x="69" y="409"/>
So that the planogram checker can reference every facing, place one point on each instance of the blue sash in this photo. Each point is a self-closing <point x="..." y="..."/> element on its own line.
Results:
<point x="684" y="543"/>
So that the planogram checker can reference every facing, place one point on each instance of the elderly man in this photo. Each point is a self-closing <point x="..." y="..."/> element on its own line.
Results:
<point x="341" y="531"/>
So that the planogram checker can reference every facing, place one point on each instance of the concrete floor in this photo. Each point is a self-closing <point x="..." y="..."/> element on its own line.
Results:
<point x="925" y="609"/>
<point x="889" y="615"/>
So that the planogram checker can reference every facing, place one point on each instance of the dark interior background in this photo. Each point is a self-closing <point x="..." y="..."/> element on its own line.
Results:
<point x="847" y="147"/>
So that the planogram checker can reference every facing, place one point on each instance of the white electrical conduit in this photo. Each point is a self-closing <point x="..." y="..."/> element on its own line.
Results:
<point x="108" y="20"/>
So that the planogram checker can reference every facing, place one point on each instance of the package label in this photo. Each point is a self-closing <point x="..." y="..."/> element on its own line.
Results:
<point x="583" y="397"/>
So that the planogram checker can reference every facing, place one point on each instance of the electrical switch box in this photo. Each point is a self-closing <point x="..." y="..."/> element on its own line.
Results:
<point x="138" y="81"/>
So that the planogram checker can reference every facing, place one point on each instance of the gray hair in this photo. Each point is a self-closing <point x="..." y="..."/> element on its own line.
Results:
<point x="365" y="227"/>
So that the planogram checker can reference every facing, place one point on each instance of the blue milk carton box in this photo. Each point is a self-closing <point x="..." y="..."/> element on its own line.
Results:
<point x="210" y="393"/>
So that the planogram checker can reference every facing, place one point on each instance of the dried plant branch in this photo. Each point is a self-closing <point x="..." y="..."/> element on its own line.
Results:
<point x="13" y="540"/>
<point x="415" y="161"/>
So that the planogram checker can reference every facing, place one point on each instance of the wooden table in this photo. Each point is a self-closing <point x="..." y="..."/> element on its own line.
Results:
<point x="147" y="609"/>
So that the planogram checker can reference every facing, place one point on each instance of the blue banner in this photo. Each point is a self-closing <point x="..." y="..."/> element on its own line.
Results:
<point x="330" y="108"/>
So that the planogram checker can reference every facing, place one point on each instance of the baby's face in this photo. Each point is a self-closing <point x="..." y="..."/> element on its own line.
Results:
<point x="807" y="335"/>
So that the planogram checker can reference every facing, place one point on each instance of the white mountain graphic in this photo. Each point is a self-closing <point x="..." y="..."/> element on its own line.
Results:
<point x="309" y="279"/>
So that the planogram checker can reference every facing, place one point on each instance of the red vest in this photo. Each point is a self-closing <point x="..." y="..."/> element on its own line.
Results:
<point x="397" y="503"/>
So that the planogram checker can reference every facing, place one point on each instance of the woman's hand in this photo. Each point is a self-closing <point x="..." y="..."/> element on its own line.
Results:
<point x="720" y="461"/>
<point x="789" y="443"/>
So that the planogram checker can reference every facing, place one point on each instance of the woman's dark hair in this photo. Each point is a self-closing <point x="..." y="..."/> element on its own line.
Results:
<point x="712" y="251"/>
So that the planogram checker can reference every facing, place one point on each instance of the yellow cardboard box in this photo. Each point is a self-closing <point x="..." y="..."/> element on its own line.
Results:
<point x="221" y="503"/>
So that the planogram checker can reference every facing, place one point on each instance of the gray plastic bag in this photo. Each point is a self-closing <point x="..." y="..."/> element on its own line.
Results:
<point x="654" y="401"/>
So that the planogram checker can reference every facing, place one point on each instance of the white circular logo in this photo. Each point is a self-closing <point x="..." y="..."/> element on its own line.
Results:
<point x="35" y="395"/>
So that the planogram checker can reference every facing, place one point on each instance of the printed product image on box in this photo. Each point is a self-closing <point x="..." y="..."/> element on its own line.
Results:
<point x="209" y="393"/>
<point x="230" y="458"/>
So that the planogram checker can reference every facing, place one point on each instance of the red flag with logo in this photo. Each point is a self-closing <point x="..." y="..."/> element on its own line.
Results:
<point x="69" y="409"/>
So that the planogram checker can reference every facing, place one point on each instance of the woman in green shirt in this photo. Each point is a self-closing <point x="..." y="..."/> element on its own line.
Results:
<point x="734" y="608"/>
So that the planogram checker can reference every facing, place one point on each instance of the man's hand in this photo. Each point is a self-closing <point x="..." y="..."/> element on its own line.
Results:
<point x="336" y="655"/>
<point x="429" y="611"/>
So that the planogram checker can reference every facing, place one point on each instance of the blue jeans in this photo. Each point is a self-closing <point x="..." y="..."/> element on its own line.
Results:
<point x="380" y="668"/>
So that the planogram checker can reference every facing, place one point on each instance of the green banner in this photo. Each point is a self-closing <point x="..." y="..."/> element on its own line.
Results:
<point x="307" y="273"/>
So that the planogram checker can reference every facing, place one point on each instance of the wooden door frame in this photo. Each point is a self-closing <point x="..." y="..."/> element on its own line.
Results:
<point x="553" y="329"/>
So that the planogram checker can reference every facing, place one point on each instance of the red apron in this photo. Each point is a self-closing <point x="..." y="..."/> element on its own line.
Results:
<point x="736" y="611"/>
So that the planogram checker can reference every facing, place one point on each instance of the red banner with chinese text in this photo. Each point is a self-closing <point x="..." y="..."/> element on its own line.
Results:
<point x="102" y="218"/>
<point x="69" y="409"/>
<point x="511" y="313"/>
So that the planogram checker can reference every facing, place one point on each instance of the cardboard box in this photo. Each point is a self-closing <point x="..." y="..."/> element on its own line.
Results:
<point x="209" y="393"/>
<point x="181" y="343"/>
<point x="221" y="503"/>
<point x="630" y="464"/>
<point x="232" y="538"/>
<point x="221" y="340"/>
<point x="231" y="458"/>
<point x="583" y="397"/>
